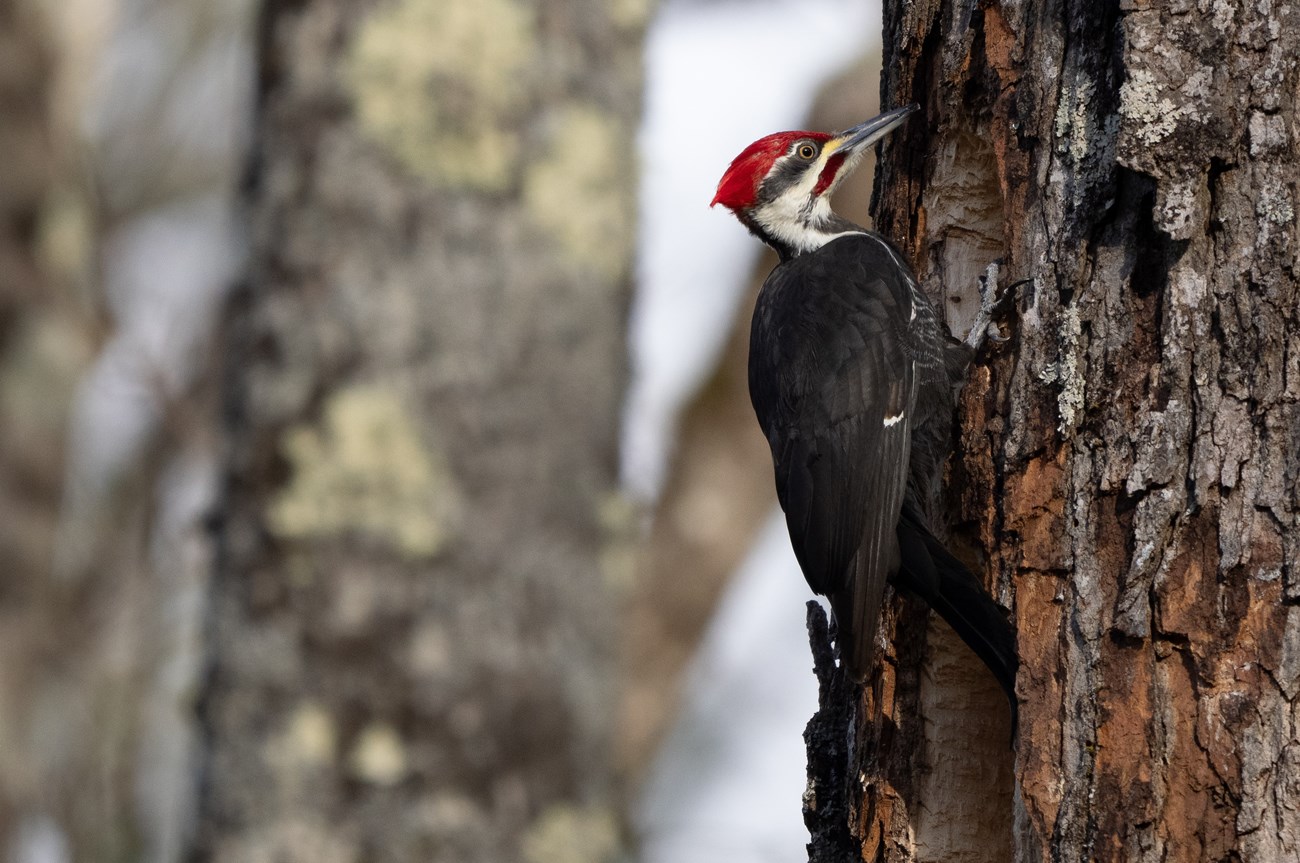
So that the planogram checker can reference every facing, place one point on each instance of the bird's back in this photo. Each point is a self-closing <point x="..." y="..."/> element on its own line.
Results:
<point x="834" y="378"/>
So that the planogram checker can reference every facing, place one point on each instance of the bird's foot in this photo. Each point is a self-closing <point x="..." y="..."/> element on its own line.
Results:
<point x="992" y="300"/>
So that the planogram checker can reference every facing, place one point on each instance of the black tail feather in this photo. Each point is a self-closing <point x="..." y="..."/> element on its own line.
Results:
<point x="930" y="571"/>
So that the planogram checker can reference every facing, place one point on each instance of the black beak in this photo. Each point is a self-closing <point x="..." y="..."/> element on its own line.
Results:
<point x="863" y="135"/>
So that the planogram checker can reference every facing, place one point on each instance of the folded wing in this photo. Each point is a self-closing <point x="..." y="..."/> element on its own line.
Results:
<point x="834" y="389"/>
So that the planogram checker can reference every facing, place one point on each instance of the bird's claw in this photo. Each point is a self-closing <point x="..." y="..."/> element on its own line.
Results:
<point x="992" y="301"/>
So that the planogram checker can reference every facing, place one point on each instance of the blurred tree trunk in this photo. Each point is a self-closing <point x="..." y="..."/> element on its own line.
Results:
<point x="1129" y="474"/>
<point x="30" y="462"/>
<point x="29" y="466"/>
<point x="420" y="541"/>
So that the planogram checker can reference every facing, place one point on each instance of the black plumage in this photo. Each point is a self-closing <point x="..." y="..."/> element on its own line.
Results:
<point x="853" y="378"/>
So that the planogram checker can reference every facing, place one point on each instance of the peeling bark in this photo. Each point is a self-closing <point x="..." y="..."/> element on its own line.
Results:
<point x="1128" y="474"/>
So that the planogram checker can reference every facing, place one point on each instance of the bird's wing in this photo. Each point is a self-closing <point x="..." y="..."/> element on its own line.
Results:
<point x="834" y="389"/>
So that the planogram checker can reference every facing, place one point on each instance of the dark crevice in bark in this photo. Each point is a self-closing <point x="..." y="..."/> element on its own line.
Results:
<point x="1092" y="72"/>
<point x="1076" y="823"/>
<point x="1218" y="167"/>
<point x="981" y="90"/>
<point x="1154" y="254"/>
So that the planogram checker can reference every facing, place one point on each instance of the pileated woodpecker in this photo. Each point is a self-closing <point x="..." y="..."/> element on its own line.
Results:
<point x="854" y="380"/>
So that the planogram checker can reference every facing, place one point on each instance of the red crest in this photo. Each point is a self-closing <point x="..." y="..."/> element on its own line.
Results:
<point x="738" y="187"/>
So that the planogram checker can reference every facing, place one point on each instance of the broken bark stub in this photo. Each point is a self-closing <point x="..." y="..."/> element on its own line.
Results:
<point x="827" y="735"/>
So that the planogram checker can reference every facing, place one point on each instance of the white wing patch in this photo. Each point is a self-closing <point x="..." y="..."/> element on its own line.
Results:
<point x="895" y="419"/>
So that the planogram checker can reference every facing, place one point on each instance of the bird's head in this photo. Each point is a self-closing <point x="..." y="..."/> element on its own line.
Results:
<point x="780" y="186"/>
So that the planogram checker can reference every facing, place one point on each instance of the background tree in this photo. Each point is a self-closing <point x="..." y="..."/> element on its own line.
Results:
<point x="1129" y="475"/>
<point x="30" y="460"/>
<point x="420" y="546"/>
<point x="115" y="244"/>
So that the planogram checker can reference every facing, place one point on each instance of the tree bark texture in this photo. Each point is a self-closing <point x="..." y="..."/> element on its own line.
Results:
<point x="1129" y="462"/>
<point x="421" y="547"/>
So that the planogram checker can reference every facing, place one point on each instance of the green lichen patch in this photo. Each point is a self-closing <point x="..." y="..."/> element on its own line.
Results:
<point x="568" y="834"/>
<point x="618" y="519"/>
<point x="1070" y="400"/>
<point x="366" y="471"/>
<point x="629" y="14"/>
<point x="1274" y="205"/>
<point x="1074" y="122"/>
<point x="577" y="191"/>
<point x="46" y="354"/>
<point x="438" y="83"/>
<point x="309" y="738"/>
<point x="379" y="756"/>
<point x="1144" y="103"/>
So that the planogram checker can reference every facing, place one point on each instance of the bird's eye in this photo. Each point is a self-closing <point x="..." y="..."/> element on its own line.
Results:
<point x="806" y="151"/>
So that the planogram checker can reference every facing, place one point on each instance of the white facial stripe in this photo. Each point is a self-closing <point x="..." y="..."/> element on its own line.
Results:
<point x="792" y="218"/>
<point x="790" y="221"/>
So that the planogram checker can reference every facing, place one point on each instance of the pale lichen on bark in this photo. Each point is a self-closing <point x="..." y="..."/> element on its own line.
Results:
<point x="440" y="83"/>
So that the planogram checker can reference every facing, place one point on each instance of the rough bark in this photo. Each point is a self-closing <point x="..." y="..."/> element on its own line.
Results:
<point x="414" y="607"/>
<point x="1128" y="476"/>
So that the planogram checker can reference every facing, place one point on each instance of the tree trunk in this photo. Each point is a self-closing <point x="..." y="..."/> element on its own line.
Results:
<point x="414" y="608"/>
<point x="1128" y="476"/>
<point x="30" y="425"/>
